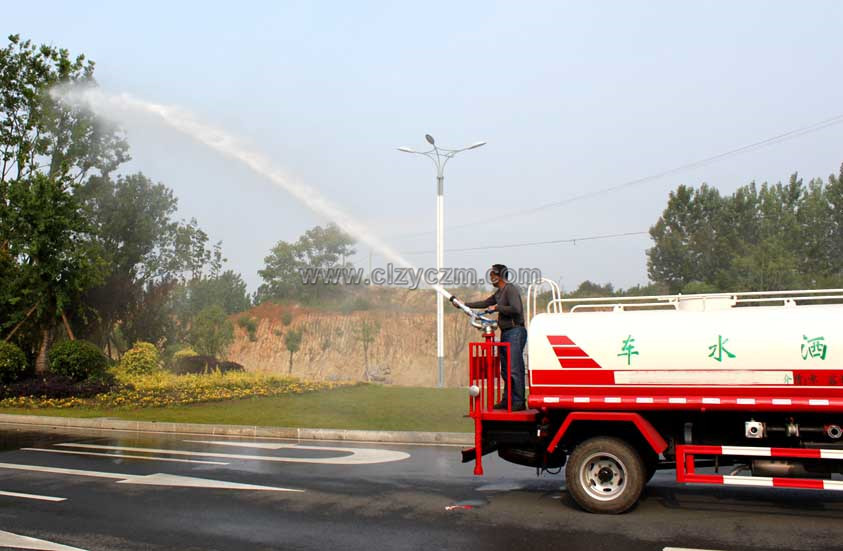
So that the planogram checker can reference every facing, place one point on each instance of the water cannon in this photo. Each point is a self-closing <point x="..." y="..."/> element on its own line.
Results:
<point x="479" y="320"/>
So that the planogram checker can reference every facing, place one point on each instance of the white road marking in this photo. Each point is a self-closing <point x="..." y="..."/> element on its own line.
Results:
<point x="157" y="479"/>
<point x="357" y="456"/>
<point x="8" y="539"/>
<point x="32" y="496"/>
<point x="256" y="445"/>
<point x="121" y="456"/>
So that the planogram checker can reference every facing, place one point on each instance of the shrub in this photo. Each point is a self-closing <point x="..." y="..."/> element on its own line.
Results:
<point x="51" y="387"/>
<point x="227" y="367"/>
<point x="194" y="364"/>
<point x="250" y="326"/>
<point x="12" y="362"/>
<point x="141" y="359"/>
<point x="287" y="317"/>
<point x="77" y="360"/>
<point x="185" y="352"/>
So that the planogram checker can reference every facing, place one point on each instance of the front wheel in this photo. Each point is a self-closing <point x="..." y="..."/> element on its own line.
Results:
<point x="605" y="475"/>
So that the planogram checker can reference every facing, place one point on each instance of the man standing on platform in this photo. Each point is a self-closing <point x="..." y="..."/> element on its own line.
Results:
<point x="506" y="301"/>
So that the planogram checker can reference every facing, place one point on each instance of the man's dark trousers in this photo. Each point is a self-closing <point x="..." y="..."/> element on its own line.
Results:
<point x="517" y="339"/>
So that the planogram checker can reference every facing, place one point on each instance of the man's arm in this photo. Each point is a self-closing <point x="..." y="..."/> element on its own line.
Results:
<point x="482" y="303"/>
<point x="513" y="297"/>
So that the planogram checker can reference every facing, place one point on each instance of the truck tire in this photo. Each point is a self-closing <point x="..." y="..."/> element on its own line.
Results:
<point x="605" y="475"/>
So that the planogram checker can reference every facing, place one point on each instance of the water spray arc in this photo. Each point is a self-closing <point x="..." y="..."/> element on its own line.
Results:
<point x="119" y="107"/>
<point x="440" y="157"/>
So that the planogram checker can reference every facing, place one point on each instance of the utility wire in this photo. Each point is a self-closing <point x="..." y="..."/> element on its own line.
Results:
<point x="791" y="134"/>
<point x="573" y="240"/>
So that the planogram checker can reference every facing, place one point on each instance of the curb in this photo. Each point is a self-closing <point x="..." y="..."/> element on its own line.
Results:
<point x="105" y="423"/>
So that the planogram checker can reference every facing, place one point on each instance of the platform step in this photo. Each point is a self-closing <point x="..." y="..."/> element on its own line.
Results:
<point x="504" y="415"/>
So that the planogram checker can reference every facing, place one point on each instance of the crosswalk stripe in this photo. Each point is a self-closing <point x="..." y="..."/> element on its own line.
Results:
<point x="16" y="541"/>
<point x="32" y="496"/>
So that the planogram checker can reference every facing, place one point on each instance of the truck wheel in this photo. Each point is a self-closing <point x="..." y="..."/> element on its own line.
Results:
<point x="605" y="475"/>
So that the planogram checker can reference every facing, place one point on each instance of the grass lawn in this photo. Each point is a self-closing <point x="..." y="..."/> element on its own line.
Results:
<point x="368" y="407"/>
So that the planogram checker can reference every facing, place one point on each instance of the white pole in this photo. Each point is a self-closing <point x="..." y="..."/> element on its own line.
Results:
<point x="440" y="157"/>
<point x="440" y="262"/>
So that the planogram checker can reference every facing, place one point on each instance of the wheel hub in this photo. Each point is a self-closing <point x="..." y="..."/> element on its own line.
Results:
<point x="603" y="476"/>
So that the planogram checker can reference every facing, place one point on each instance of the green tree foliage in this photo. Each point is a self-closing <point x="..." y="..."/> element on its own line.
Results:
<point x="772" y="237"/>
<point x="226" y="289"/>
<point x="292" y="341"/>
<point x="39" y="134"/>
<point x="250" y="325"/>
<point x="211" y="332"/>
<point x="46" y="150"/>
<point x="55" y="263"/>
<point x="154" y="261"/>
<point x="317" y="251"/>
<point x="12" y="362"/>
<point x="76" y="241"/>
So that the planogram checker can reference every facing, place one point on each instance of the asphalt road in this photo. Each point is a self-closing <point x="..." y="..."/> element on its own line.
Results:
<point x="97" y="491"/>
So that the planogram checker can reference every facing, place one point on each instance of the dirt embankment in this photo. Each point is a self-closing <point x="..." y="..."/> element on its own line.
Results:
<point x="389" y="344"/>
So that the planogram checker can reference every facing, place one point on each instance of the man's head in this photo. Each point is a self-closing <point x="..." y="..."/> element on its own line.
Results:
<point x="497" y="275"/>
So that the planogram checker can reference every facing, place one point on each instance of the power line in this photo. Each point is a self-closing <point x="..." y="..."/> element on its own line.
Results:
<point x="791" y="134"/>
<point x="573" y="240"/>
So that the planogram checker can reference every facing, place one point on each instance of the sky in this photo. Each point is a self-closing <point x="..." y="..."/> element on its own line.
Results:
<point x="572" y="98"/>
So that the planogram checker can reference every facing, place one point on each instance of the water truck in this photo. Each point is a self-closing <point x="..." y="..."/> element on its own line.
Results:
<point x="738" y="389"/>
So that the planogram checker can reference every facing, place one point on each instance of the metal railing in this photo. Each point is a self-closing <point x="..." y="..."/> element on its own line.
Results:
<point x="717" y="300"/>
<point x="533" y="292"/>
<point x="484" y="376"/>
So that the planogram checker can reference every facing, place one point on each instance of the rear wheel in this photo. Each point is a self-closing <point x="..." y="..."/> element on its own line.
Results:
<point x="605" y="475"/>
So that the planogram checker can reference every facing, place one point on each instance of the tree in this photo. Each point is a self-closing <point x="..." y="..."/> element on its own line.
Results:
<point x="132" y="219"/>
<point x="55" y="261"/>
<point x="292" y="341"/>
<point x="46" y="150"/>
<point x="772" y="237"/>
<point x="211" y="332"/>
<point x="316" y="253"/>
<point x="590" y="289"/>
<point x="366" y="332"/>
<point x="227" y="290"/>
<point x="151" y="258"/>
<point x="38" y="132"/>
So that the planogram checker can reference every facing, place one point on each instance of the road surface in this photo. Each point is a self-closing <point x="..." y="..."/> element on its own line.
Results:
<point x="112" y="490"/>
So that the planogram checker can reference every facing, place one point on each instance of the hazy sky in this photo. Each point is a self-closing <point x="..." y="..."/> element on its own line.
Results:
<point x="571" y="97"/>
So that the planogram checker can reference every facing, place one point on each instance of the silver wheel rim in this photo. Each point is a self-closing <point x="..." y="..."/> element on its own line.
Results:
<point x="603" y="476"/>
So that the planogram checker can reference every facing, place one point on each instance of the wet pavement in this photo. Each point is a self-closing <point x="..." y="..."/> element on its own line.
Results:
<point x="111" y="490"/>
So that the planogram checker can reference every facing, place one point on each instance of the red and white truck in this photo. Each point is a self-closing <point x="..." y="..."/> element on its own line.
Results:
<point x="748" y="383"/>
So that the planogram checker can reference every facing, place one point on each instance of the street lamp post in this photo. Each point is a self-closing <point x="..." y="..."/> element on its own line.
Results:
<point x="440" y="157"/>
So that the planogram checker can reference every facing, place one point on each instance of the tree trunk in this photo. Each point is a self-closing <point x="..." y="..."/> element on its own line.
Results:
<point x="41" y="362"/>
<point x="67" y="328"/>
<point x="365" y="362"/>
<point x="290" y="371"/>
<point x="18" y="326"/>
